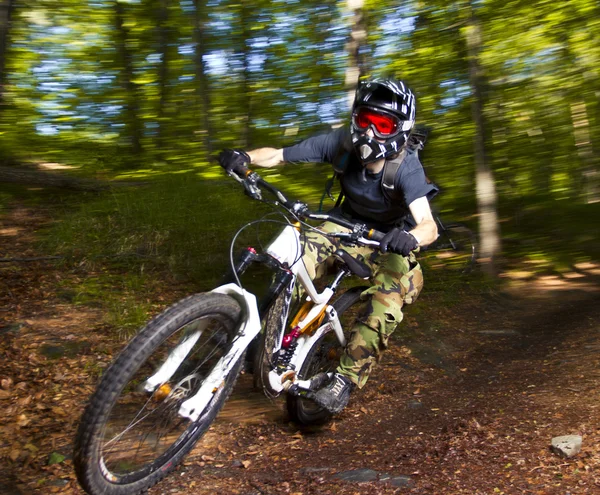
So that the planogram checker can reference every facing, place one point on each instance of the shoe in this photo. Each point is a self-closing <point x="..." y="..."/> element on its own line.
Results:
<point x="335" y="396"/>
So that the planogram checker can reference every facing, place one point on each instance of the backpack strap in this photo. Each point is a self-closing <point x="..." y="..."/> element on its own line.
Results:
<point x="339" y="167"/>
<point x="340" y="163"/>
<point x="390" y="171"/>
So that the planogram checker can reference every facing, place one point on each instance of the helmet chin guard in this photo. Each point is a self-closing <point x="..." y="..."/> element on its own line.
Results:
<point x="391" y="97"/>
<point x="370" y="150"/>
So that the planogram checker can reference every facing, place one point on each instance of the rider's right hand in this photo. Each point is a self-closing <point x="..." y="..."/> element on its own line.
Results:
<point x="398" y="241"/>
<point x="231" y="159"/>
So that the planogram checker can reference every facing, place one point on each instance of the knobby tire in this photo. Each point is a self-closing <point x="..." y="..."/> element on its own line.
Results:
<point x="322" y="357"/>
<point x="120" y="386"/>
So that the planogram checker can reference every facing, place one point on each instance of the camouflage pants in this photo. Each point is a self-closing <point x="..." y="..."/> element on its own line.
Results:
<point x="396" y="280"/>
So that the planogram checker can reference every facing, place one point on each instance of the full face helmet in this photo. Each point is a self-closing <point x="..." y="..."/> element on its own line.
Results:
<point x="387" y="107"/>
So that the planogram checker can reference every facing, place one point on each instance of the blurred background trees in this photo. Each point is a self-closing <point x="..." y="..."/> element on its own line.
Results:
<point x="509" y="89"/>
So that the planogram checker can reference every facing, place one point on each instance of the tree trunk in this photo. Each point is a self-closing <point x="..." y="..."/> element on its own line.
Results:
<point x="163" y="71"/>
<point x="132" y="122"/>
<point x="489" y="229"/>
<point x="202" y="85"/>
<point x="585" y="151"/>
<point x="358" y="35"/>
<point x="246" y="97"/>
<point x="6" y="7"/>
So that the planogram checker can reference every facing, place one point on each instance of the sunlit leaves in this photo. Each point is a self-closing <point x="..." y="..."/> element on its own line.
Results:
<point x="277" y="65"/>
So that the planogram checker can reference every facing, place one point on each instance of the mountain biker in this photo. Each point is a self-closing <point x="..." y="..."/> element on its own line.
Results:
<point x="383" y="115"/>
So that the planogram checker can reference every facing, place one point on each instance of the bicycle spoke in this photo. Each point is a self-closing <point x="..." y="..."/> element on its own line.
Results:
<point x="152" y="429"/>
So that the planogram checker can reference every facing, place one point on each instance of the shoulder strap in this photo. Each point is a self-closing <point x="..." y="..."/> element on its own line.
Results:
<point x="340" y="163"/>
<point x="390" y="171"/>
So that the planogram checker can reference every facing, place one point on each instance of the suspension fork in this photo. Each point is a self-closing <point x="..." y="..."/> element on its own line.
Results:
<point x="284" y="281"/>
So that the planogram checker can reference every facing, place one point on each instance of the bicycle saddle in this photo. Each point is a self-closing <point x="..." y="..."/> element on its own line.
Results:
<point x="355" y="265"/>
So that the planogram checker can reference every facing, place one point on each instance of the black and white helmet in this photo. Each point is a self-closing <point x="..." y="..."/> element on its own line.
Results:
<point x="387" y="107"/>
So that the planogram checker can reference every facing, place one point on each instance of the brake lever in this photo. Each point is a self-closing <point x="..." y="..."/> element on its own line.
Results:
<point x="356" y="236"/>
<point x="252" y="190"/>
<point x="249" y="183"/>
<point x="348" y="238"/>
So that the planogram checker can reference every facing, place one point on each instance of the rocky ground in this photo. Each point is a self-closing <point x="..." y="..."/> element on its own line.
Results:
<point x="466" y="401"/>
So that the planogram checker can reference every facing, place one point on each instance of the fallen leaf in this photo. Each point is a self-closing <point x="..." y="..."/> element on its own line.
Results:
<point x="5" y="394"/>
<point x="55" y="458"/>
<point x="24" y="401"/>
<point x="246" y="463"/>
<point x="32" y="448"/>
<point x="22" y="420"/>
<point x="14" y="454"/>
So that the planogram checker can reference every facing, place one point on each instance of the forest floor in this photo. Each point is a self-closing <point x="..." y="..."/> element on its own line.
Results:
<point x="466" y="401"/>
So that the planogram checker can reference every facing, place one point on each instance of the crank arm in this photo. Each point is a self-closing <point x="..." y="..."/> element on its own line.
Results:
<point x="299" y="387"/>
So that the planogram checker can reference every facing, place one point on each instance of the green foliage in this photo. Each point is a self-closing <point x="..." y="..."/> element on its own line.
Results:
<point x="55" y="458"/>
<point x="80" y="85"/>
<point x="177" y="223"/>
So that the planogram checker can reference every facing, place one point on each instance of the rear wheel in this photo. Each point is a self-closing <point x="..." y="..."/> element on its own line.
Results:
<point x="131" y="434"/>
<point x="324" y="357"/>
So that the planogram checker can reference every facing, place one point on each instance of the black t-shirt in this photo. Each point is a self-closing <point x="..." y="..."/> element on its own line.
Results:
<point x="363" y="195"/>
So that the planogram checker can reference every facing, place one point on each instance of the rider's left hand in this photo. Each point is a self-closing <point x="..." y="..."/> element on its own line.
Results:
<point x="230" y="159"/>
<point x="398" y="241"/>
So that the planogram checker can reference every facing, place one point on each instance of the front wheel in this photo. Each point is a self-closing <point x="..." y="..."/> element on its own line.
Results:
<point x="323" y="357"/>
<point x="131" y="434"/>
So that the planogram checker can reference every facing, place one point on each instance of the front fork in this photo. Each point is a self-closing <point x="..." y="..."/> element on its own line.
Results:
<point x="193" y="407"/>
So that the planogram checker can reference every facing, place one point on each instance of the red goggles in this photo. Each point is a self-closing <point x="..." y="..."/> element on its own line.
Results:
<point x="382" y="124"/>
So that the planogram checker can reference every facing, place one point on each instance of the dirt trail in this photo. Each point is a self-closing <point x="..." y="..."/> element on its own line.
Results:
<point x="465" y="402"/>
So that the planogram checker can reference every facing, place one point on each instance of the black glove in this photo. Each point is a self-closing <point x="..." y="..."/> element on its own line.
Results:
<point x="230" y="159"/>
<point x="398" y="241"/>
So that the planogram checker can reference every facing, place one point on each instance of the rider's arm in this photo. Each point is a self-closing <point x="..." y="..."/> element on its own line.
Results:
<point x="321" y="148"/>
<point x="266" y="157"/>
<point x="426" y="229"/>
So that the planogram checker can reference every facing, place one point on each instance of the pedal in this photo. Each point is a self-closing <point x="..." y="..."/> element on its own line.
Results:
<point x="296" y="391"/>
<point x="306" y="388"/>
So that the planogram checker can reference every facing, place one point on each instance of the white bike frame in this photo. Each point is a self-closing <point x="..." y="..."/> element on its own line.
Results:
<point x="286" y="248"/>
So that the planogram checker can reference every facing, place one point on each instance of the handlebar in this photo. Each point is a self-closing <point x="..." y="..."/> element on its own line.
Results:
<point x="360" y="233"/>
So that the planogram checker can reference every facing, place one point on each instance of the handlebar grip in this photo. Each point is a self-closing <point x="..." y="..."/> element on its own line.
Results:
<point x="375" y="235"/>
<point x="242" y="171"/>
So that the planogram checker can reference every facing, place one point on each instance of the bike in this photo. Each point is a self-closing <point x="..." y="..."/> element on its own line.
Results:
<point x="163" y="391"/>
